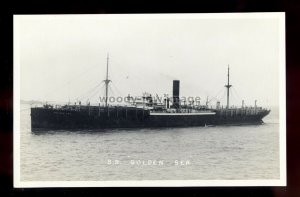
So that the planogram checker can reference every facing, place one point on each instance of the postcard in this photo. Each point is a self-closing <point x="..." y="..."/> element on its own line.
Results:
<point x="151" y="100"/>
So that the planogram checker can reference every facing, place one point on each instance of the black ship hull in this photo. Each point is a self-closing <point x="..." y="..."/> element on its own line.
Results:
<point x="124" y="117"/>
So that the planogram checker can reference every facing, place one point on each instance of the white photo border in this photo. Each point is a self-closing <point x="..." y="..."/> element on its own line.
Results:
<point x="155" y="183"/>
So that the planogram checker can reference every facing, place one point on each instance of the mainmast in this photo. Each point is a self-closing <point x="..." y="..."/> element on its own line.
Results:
<point x="106" y="81"/>
<point x="228" y="86"/>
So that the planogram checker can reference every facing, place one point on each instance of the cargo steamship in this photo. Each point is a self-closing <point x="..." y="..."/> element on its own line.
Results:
<point x="145" y="113"/>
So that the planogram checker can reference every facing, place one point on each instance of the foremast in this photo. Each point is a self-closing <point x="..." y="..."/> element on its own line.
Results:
<point x="106" y="81"/>
<point x="228" y="86"/>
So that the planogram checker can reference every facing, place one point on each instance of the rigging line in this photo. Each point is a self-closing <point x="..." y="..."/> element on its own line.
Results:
<point x="237" y="93"/>
<point x="89" y="91"/>
<point x="60" y="86"/>
<point x="93" y="95"/>
<point x="214" y="99"/>
<point x="237" y="97"/>
<point x="91" y="82"/>
<point x="234" y="96"/>
<point x="119" y="76"/>
<point x="81" y="74"/>
<point x="219" y="74"/>
<point x="110" y="89"/>
<point x="87" y="97"/>
<point x="224" y="93"/>
<point x="216" y="96"/>
<point x="102" y="89"/>
<point x="97" y="91"/>
<point x="118" y="91"/>
<point x="92" y="77"/>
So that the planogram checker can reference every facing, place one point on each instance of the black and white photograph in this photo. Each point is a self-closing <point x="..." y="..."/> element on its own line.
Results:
<point x="109" y="100"/>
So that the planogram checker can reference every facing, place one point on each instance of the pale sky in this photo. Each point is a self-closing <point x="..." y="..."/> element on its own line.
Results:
<point x="63" y="57"/>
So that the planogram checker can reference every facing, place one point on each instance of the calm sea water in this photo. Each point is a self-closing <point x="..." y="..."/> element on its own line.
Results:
<point x="203" y="153"/>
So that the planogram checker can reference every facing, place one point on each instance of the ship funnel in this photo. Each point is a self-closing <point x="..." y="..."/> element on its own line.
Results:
<point x="176" y="102"/>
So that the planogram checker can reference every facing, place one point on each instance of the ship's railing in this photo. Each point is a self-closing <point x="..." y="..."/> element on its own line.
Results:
<point x="240" y="111"/>
<point x="88" y="110"/>
<point x="86" y="107"/>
